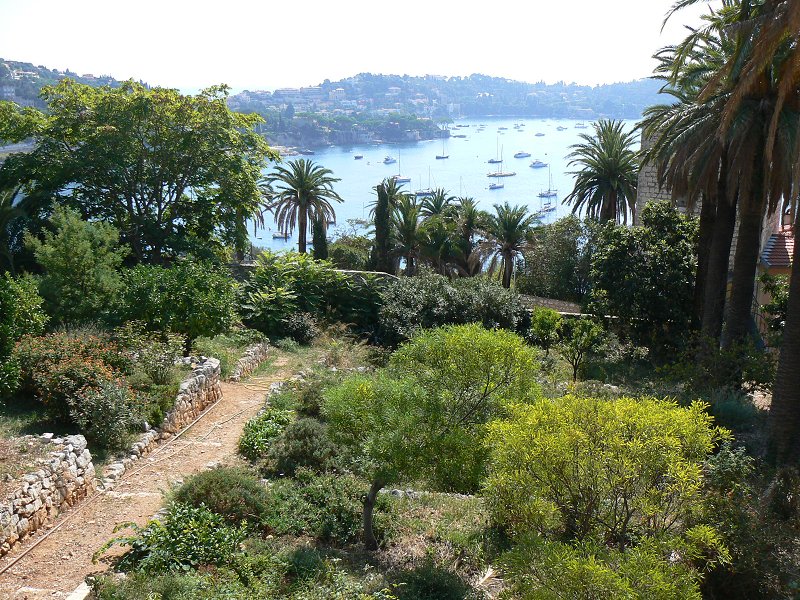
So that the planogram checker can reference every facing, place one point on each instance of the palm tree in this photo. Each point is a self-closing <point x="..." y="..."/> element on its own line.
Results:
<point x="470" y="221"/>
<point x="440" y="203"/>
<point x="507" y="231"/>
<point x="304" y="192"/>
<point x="605" y="185"/>
<point x="406" y="230"/>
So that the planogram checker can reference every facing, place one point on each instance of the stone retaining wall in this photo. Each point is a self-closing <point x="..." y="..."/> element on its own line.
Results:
<point x="252" y="358"/>
<point x="197" y="392"/>
<point x="64" y="479"/>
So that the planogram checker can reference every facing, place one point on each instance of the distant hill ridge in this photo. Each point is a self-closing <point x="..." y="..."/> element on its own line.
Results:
<point x="472" y="96"/>
<point x="20" y="82"/>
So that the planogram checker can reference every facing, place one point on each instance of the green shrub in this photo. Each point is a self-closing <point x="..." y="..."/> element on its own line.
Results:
<point x="262" y="430"/>
<point x="415" y="303"/>
<point x="57" y="367"/>
<point x="545" y="328"/>
<point x="189" y="537"/>
<point x="303" y="444"/>
<point x="232" y="493"/>
<point x="193" y="298"/>
<point x="155" y="353"/>
<point x="580" y="339"/>
<point x="611" y="470"/>
<point x="20" y="314"/>
<point x="657" y="570"/>
<point x="105" y="414"/>
<point x="327" y="507"/>
<point x="81" y="259"/>
<point x="301" y="327"/>
<point x="431" y="581"/>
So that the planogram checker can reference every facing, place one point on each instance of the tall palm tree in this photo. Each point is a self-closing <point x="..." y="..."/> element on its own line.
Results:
<point x="470" y="221"/>
<point x="304" y="192"/>
<point x="507" y="231"/>
<point x="407" y="232"/>
<point x="605" y="185"/>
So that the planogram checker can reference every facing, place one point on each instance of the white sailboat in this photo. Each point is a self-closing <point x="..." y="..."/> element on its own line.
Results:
<point x="444" y="154"/>
<point x="500" y="172"/>
<point x="400" y="178"/>
<point x="549" y="192"/>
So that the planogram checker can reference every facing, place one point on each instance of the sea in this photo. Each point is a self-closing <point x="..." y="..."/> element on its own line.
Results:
<point x="464" y="173"/>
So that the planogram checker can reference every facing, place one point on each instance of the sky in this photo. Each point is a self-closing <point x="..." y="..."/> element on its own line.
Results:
<point x="268" y="44"/>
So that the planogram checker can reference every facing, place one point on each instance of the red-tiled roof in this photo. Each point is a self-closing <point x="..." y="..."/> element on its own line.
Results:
<point x="778" y="249"/>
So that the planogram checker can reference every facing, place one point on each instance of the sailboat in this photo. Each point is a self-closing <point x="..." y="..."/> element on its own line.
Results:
<point x="424" y="192"/>
<point x="549" y="192"/>
<point x="496" y="159"/>
<point x="400" y="178"/>
<point x="443" y="155"/>
<point x="500" y="172"/>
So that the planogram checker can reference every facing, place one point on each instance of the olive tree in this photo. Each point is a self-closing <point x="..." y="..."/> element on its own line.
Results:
<point x="424" y="415"/>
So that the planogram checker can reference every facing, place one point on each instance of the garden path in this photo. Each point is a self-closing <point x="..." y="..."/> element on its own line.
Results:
<point x="60" y="563"/>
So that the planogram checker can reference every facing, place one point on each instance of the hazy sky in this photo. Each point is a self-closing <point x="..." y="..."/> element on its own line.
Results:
<point x="268" y="44"/>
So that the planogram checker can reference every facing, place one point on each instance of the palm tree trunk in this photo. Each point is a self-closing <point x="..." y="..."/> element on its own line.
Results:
<point x="737" y="319"/>
<point x="302" y="229"/>
<point x="704" y="239"/>
<point x="718" y="264"/>
<point x="784" y="414"/>
<point x="508" y="269"/>
<point x="609" y="210"/>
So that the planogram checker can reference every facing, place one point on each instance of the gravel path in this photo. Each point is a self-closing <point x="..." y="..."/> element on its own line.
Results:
<point x="61" y="562"/>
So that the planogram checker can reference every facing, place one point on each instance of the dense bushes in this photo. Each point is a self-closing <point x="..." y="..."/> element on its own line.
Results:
<point x="283" y="285"/>
<point x="303" y="444"/>
<point x="414" y="303"/>
<point x="192" y="298"/>
<point x="232" y="493"/>
<point x="20" y="314"/>
<point x="187" y="538"/>
<point x="260" y="431"/>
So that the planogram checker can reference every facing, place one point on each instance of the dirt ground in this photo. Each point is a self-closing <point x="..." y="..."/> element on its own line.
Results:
<point x="55" y="567"/>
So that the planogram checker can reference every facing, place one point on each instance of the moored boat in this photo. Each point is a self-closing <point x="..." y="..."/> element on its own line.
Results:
<point x="538" y="164"/>
<point x="522" y="154"/>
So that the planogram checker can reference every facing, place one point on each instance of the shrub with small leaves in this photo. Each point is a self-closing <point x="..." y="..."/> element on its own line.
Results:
<point x="303" y="444"/>
<point x="106" y="414"/>
<point x="262" y="430"/>
<point x="155" y="353"/>
<point x="301" y="327"/>
<point x="231" y="492"/>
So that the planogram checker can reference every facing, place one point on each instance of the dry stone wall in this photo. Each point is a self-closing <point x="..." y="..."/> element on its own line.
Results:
<point x="252" y="358"/>
<point x="197" y="392"/>
<point x="64" y="479"/>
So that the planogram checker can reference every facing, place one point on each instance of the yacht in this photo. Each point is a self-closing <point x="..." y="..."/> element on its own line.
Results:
<point x="496" y="186"/>
<point x="280" y="236"/>
<point x="389" y="160"/>
<point x="358" y="156"/>
<point x="494" y="161"/>
<point x="306" y="152"/>
<point x="538" y="164"/>
<point x="522" y="154"/>
<point x="539" y="134"/>
<point x="401" y="179"/>
<point x="561" y="128"/>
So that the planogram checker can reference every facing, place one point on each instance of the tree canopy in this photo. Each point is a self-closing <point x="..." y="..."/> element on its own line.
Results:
<point x="172" y="172"/>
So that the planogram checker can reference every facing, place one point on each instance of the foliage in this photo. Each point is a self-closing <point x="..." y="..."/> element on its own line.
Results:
<point x="192" y="297"/>
<point x="283" y="284"/>
<point x="173" y="173"/>
<point x="230" y="492"/>
<point x="188" y="537"/>
<point x="507" y="234"/>
<point x="579" y="339"/>
<point x="661" y="569"/>
<point x="20" y="314"/>
<point x="388" y="192"/>
<point x="777" y="287"/>
<point x="57" y="368"/>
<point x="80" y="259"/>
<point x="227" y="347"/>
<point x="154" y="353"/>
<point x="557" y="260"/>
<point x="105" y="414"/>
<point x="545" y="328"/>
<point x="327" y="507"/>
<point x="319" y="230"/>
<point x="303" y="444"/>
<point x="605" y="185"/>
<point x="604" y="470"/>
<point x="262" y="430"/>
<point x="432" y="581"/>
<point x="414" y="303"/>
<point x="644" y="276"/>
<point x="301" y="327"/>
<point x="350" y="252"/>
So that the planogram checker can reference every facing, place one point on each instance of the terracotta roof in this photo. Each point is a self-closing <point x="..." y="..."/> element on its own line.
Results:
<point x="779" y="249"/>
